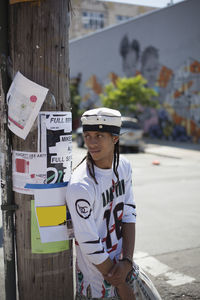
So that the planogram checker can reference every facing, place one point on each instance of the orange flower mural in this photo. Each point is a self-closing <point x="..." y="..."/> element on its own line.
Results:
<point x="183" y="89"/>
<point x="113" y="77"/>
<point x="195" y="67"/>
<point x="94" y="85"/>
<point x="164" y="76"/>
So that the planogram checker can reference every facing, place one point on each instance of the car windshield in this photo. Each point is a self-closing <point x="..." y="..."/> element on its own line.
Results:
<point x="130" y="125"/>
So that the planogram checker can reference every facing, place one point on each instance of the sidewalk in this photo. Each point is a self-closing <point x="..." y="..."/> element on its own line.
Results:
<point x="172" y="149"/>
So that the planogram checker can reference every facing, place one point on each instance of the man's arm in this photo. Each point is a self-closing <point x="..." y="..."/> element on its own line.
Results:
<point x="116" y="273"/>
<point x="128" y="244"/>
<point x="119" y="271"/>
<point x="105" y="266"/>
<point x="128" y="235"/>
<point x="125" y="292"/>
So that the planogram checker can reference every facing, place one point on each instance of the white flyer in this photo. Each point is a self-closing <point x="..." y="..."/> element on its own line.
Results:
<point x="28" y="167"/>
<point x="55" y="139"/>
<point x="24" y="99"/>
<point x="54" y="220"/>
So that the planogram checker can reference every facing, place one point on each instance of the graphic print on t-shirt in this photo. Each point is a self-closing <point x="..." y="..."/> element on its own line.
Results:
<point x="83" y="208"/>
<point x="115" y="190"/>
<point x="111" y="213"/>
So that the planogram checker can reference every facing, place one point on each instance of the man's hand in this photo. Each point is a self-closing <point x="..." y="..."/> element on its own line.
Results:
<point x="117" y="277"/>
<point x="118" y="273"/>
<point x="125" y="292"/>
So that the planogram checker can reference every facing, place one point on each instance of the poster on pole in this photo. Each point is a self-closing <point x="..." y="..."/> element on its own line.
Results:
<point x="36" y="244"/>
<point x="54" y="220"/>
<point x="55" y="139"/>
<point x="24" y="99"/>
<point x="28" y="167"/>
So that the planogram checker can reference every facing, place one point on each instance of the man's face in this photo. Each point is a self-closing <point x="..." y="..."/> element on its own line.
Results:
<point x="150" y="70"/>
<point x="101" y="147"/>
<point x="130" y="64"/>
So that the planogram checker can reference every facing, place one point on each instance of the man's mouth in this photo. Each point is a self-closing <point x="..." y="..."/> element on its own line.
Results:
<point x="94" y="151"/>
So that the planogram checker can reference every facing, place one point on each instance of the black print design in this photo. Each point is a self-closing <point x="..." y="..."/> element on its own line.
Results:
<point x="93" y="242"/>
<point x="131" y="205"/>
<point x="97" y="252"/>
<point x="83" y="208"/>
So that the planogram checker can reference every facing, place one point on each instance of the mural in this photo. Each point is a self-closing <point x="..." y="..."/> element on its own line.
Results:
<point x="130" y="53"/>
<point x="183" y="101"/>
<point x="178" y="117"/>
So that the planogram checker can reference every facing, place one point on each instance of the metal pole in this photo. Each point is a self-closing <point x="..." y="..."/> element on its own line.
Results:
<point x="7" y="205"/>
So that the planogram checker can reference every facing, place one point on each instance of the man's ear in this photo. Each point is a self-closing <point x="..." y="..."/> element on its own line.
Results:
<point x="115" y="139"/>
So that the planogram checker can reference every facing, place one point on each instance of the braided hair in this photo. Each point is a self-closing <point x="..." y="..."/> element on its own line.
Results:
<point x="90" y="163"/>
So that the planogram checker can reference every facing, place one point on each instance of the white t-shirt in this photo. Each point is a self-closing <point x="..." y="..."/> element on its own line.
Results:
<point x="97" y="212"/>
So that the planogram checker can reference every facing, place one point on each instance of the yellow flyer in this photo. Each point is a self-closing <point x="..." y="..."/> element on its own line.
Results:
<point x="36" y="245"/>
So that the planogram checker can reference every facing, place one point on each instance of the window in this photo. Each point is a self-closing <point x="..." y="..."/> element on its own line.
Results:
<point x="92" y="20"/>
<point x="130" y="125"/>
<point x="120" y="18"/>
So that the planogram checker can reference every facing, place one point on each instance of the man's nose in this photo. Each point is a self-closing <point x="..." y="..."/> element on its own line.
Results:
<point x="93" y="141"/>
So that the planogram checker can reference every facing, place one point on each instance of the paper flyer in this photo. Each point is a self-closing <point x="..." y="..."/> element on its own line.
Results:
<point x="24" y="100"/>
<point x="55" y="139"/>
<point x="36" y="245"/>
<point x="53" y="218"/>
<point x="28" y="167"/>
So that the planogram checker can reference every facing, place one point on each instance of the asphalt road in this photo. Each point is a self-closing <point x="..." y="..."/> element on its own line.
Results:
<point x="168" y="224"/>
<point x="167" y="193"/>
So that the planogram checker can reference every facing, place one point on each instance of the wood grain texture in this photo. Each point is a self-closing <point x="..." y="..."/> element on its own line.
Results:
<point x="39" y="50"/>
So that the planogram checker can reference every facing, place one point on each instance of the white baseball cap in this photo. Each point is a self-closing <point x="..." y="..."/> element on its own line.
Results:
<point x="102" y="119"/>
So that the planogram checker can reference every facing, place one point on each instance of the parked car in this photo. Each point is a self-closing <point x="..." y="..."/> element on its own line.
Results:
<point x="131" y="135"/>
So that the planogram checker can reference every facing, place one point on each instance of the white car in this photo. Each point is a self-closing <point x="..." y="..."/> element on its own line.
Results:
<point x="131" y="135"/>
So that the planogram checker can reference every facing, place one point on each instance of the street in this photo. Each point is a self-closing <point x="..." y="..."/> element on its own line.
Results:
<point x="166" y="184"/>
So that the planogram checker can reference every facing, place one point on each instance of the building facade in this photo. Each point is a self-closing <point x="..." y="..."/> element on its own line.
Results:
<point x="91" y="15"/>
<point x="164" y="47"/>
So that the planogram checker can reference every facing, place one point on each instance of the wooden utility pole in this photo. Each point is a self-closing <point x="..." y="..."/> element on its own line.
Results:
<point x="39" y="50"/>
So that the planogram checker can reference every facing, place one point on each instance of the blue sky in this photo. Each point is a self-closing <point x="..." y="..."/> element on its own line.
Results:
<point x="152" y="3"/>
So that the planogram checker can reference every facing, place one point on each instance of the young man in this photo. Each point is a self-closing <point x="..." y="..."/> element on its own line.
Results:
<point x="100" y="199"/>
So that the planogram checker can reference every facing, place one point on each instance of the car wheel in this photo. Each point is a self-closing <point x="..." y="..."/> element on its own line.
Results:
<point x="123" y="149"/>
<point x="80" y="141"/>
<point x="135" y="149"/>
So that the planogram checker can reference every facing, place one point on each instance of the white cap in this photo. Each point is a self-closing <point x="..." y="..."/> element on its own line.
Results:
<point x="102" y="119"/>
